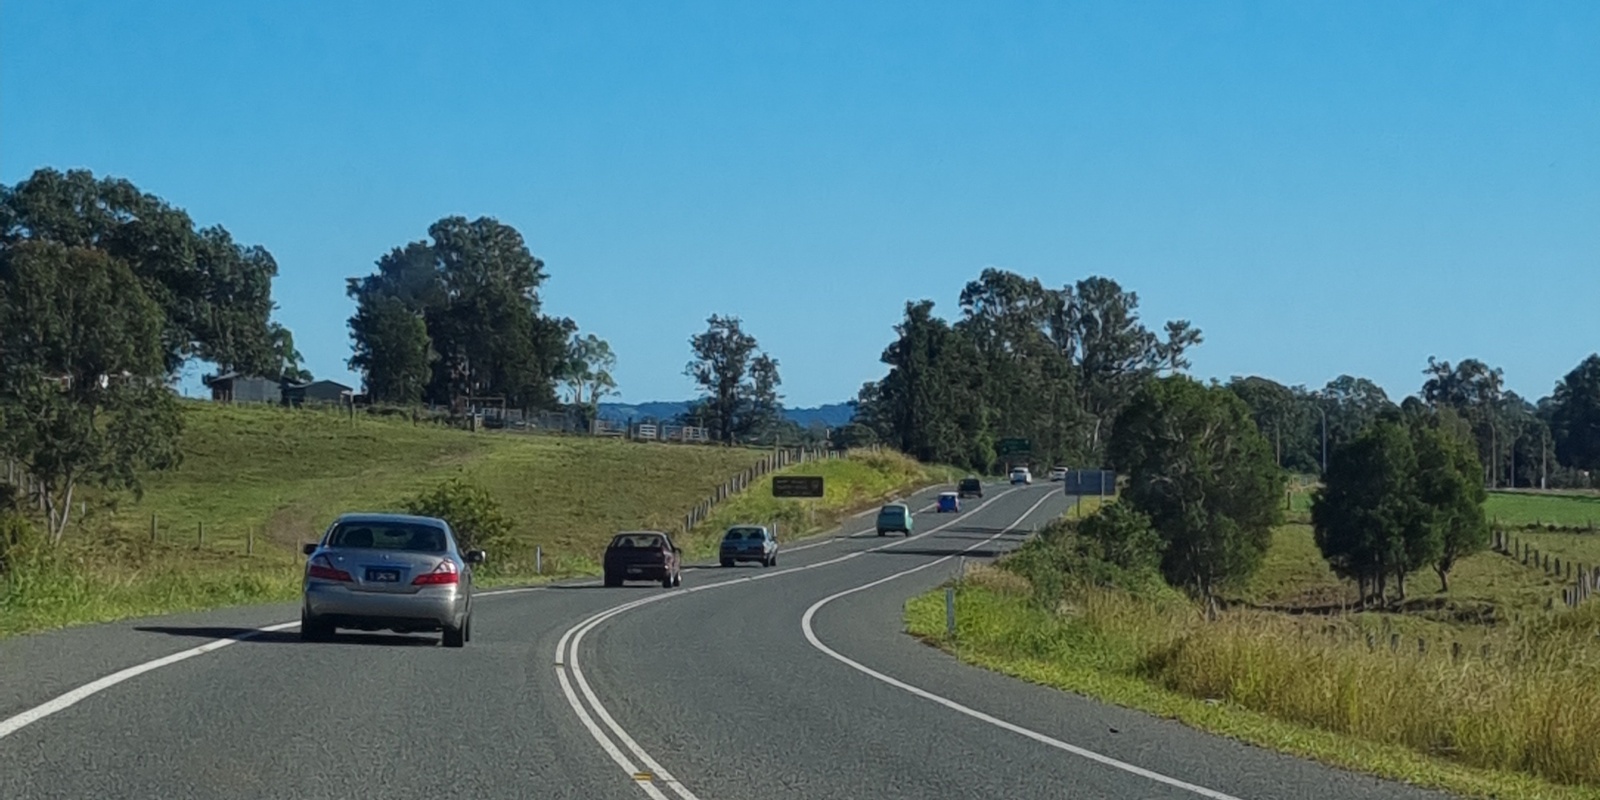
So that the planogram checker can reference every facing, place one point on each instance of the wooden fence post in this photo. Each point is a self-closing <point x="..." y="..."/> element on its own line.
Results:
<point x="153" y="527"/>
<point x="199" y="535"/>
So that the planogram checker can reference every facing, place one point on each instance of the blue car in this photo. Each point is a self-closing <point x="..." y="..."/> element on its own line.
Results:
<point x="949" y="502"/>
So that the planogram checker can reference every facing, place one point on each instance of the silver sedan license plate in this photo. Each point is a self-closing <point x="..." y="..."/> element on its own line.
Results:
<point x="383" y="576"/>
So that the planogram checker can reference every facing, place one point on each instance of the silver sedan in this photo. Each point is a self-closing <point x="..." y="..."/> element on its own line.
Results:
<point x="388" y="572"/>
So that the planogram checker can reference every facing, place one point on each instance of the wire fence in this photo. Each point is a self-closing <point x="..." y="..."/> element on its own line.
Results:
<point x="1581" y="581"/>
<point x="742" y="481"/>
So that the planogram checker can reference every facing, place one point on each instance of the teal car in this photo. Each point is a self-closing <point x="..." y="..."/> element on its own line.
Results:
<point x="894" y="517"/>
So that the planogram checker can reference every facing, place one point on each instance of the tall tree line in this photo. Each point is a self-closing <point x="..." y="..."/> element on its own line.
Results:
<point x="214" y="295"/>
<point x="738" y="383"/>
<point x="458" y="316"/>
<point x="1054" y="366"/>
<point x="1304" y="425"/>
<point x="1549" y="443"/>
<point x="105" y="293"/>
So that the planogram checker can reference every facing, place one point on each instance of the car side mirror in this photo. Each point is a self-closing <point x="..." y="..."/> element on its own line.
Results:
<point x="678" y="550"/>
<point x="476" y="556"/>
<point x="309" y="548"/>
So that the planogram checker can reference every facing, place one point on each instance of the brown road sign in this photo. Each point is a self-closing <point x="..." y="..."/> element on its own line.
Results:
<point x="797" y="486"/>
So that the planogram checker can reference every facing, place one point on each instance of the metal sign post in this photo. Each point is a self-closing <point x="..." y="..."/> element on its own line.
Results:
<point x="1080" y="483"/>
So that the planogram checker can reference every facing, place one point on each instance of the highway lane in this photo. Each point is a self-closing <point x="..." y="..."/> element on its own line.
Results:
<point x="274" y="717"/>
<point x="719" y="686"/>
<point x="755" y="710"/>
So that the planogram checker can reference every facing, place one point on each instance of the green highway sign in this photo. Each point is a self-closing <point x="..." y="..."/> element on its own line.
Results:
<point x="797" y="486"/>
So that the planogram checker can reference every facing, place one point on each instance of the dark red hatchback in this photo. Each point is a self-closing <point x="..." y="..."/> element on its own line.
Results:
<point x="643" y="556"/>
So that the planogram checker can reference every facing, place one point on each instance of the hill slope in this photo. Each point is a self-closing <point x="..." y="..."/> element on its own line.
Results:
<point x="267" y="479"/>
<point x="288" y="473"/>
<point x="275" y="478"/>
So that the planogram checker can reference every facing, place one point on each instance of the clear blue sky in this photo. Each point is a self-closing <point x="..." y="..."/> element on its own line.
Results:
<point x="1323" y="188"/>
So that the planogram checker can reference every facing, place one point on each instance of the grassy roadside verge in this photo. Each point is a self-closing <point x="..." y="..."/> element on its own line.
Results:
<point x="1000" y="630"/>
<point x="860" y="481"/>
<point x="1514" y="724"/>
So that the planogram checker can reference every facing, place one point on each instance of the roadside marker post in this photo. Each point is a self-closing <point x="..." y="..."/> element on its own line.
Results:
<point x="950" y="611"/>
<point x="538" y="559"/>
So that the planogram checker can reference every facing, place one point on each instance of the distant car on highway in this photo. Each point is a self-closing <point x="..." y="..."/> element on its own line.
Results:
<point x="643" y="556"/>
<point x="949" y="503"/>
<point x="969" y="486"/>
<point x="1058" y="473"/>
<point x="1021" y="475"/>
<point x="749" y="543"/>
<point x="894" y="517"/>
<point x="392" y="572"/>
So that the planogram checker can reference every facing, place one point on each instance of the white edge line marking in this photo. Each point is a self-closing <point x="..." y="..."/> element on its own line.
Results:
<point x="811" y="636"/>
<point x="567" y="655"/>
<point x="78" y="695"/>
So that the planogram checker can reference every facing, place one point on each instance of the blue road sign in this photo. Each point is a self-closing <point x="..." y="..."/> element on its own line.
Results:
<point x="1085" y="482"/>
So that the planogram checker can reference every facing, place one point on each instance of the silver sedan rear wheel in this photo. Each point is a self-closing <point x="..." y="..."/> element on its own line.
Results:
<point x="456" y="637"/>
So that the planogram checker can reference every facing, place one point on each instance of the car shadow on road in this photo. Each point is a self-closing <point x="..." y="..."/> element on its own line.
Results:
<point x="940" y="552"/>
<point x="629" y="585"/>
<point x="1014" y="536"/>
<point x="257" y="636"/>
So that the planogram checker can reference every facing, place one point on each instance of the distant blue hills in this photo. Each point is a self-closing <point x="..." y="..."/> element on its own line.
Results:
<point x="832" y="415"/>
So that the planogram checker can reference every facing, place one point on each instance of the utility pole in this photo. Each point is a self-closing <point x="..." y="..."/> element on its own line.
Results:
<point x="1494" y="455"/>
<point x="1513" y="448"/>
<point x="1544" y="458"/>
<point x="1324" y="413"/>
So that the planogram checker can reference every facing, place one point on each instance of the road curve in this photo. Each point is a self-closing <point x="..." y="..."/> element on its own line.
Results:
<point x="714" y="690"/>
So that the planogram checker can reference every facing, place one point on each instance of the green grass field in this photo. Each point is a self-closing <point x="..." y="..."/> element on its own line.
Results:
<point x="1527" y="508"/>
<point x="278" y="477"/>
<point x="1522" y="508"/>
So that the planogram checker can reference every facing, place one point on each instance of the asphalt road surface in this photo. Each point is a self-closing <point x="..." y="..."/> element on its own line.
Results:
<point x="745" y="683"/>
